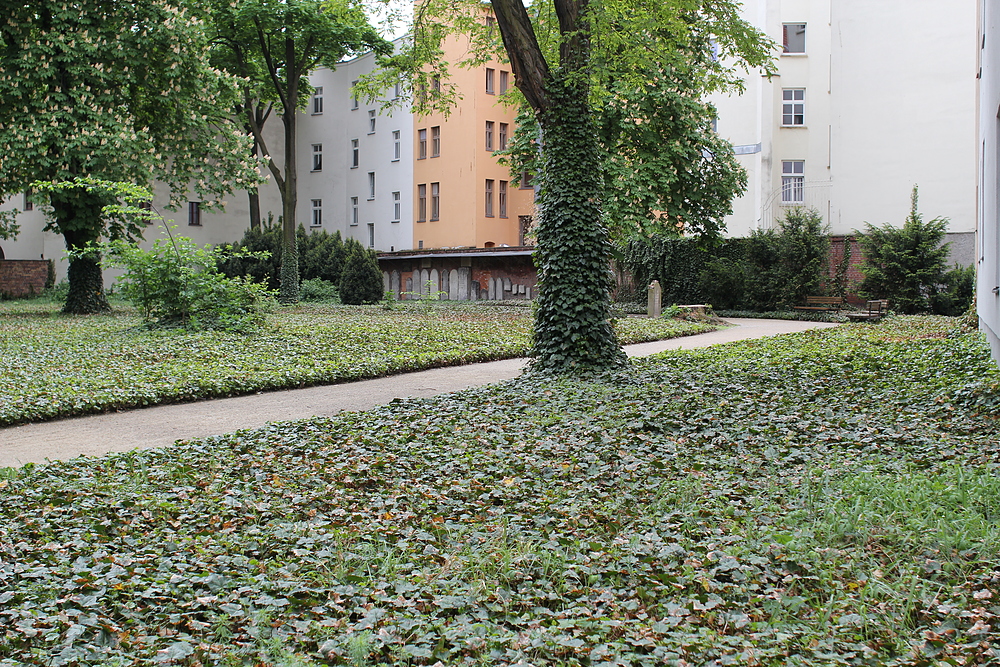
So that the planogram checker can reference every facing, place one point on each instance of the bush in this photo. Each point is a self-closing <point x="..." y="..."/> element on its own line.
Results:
<point x="954" y="295"/>
<point x="321" y="255"/>
<point x="317" y="289"/>
<point x="361" y="279"/>
<point x="176" y="283"/>
<point x="905" y="266"/>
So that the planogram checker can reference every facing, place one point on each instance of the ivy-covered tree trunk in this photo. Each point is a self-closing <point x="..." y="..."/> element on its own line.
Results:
<point x="73" y="213"/>
<point x="572" y="323"/>
<point x="289" y="290"/>
<point x="86" y="286"/>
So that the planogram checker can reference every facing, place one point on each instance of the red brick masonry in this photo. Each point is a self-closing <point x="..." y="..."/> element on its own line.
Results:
<point x="23" y="277"/>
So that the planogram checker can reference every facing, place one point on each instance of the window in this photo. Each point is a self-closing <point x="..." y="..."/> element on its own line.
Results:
<point x="490" y="73"/>
<point x="28" y="204"/>
<point x="502" y="199"/>
<point x="395" y="146"/>
<point x="527" y="180"/>
<point x="396" y="91"/>
<point x="435" y="141"/>
<point x="355" y="154"/>
<point x="318" y="100"/>
<point x="420" y="245"/>
<point x="354" y="211"/>
<point x="793" y="38"/>
<point x="397" y="207"/>
<point x="421" y="144"/>
<point x="317" y="157"/>
<point x="503" y="136"/>
<point x="421" y="202"/>
<point x="371" y="121"/>
<point x="371" y="185"/>
<point x="354" y="100"/>
<point x="371" y="234"/>
<point x="793" y="106"/>
<point x="194" y="213"/>
<point x="435" y="201"/>
<point x="489" y="135"/>
<point x="503" y="81"/>
<point x="489" y="197"/>
<point x="491" y="22"/>
<point x="792" y="181"/>
<point x="436" y="83"/>
<point x="317" y="212"/>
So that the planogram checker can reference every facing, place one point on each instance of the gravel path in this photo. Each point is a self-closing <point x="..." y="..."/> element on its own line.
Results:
<point x="163" y="425"/>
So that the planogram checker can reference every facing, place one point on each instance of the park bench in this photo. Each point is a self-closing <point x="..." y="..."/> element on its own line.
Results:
<point x="874" y="311"/>
<point x="822" y="303"/>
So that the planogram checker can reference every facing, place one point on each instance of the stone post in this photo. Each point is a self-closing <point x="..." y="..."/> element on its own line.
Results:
<point x="654" y="296"/>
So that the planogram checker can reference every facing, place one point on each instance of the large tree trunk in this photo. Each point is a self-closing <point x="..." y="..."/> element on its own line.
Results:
<point x="288" y="293"/>
<point x="254" y="198"/>
<point x="78" y="217"/>
<point x="572" y="322"/>
<point x="86" y="281"/>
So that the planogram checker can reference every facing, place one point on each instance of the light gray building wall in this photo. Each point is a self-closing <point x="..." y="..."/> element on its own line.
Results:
<point x="988" y="181"/>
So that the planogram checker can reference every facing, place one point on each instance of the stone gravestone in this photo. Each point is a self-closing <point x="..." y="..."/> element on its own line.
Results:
<point x="654" y="294"/>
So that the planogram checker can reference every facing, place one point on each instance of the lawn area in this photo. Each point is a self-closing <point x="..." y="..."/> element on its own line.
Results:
<point x="824" y="498"/>
<point x="59" y="366"/>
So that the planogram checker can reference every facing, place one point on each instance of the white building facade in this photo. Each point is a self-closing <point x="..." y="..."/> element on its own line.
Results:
<point x="988" y="180"/>
<point x="870" y="99"/>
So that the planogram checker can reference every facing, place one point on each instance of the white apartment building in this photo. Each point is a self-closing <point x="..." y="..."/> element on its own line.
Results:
<point x="870" y="99"/>
<point x="987" y="39"/>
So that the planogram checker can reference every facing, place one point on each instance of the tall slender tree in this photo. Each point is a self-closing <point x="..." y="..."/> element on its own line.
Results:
<point x="275" y="45"/>
<point x="120" y="91"/>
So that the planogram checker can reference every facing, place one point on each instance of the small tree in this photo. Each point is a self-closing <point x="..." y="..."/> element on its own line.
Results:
<point x="803" y="247"/>
<point x="361" y="279"/>
<point x="905" y="266"/>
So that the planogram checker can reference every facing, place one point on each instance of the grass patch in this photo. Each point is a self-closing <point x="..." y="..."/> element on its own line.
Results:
<point x="58" y="365"/>
<point x="825" y="498"/>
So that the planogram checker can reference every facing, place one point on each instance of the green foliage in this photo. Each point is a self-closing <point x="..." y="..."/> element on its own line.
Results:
<point x="816" y="500"/>
<point x="58" y="366"/>
<point x="841" y="283"/>
<point x="572" y="328"/>
<point x="905" y="266"/>
<point x="956" y="291"/>
<point x="317" y="289"/>
<point x="176" y="283"/>
<point x="361" y="279"/>
<point x="116" y="91"/>
<point x="9" y="229"/>
<point x="258" y="255"/>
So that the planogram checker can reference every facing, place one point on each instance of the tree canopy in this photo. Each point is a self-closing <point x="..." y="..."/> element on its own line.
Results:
<point x="274" y="45"/>
<point x="616" y="90"/>
<point x="119" y="91"/>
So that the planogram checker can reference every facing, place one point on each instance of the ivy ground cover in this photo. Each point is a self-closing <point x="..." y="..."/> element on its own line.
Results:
<point x="59" y="366"/>
<point x="826" y="498"/>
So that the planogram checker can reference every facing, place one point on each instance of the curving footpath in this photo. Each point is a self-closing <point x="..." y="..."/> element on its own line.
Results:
<point x="161" y="426"/>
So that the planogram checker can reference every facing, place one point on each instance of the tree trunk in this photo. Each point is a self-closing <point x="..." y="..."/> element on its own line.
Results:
<point x="254" y="198"/>
<point x="289" y="291"/>
<point x="86" y="281"/>
<point x="572" y="321"/>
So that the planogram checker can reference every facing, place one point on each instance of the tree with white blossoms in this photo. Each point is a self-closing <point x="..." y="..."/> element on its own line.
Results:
<point x="118" y="91"/>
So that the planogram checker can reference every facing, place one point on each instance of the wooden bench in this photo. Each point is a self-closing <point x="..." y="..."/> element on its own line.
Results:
<point x="822" y="303"/>
<point x="874" y="311"/>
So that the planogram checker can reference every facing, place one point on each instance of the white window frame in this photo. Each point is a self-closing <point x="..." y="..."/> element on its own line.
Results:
<point x="793" y="178"/>
<point x="396" y="146"/>
<point x="397" y="207"/>
<point x="371" y="121"/>
<point x="793" y="107"/>
<point x="502" y="143"/>
<point x="371" y="186"/>
<point x="371" y="234"/>
<point x="436" y="141"/>
<point x="317" y="213"/>
<point x="422" y="144"/>
<point x="435" y="201"/>
<point x="355" y="154"/>
<point x="785" y="27"/>
<point x="355" y="212"/>
<point x="317" y="105"/>
<point x="354" y="100"/>
<point x="317" y="154"/>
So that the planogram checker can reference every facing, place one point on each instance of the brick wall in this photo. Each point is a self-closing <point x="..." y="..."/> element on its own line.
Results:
<point x="23" y="277"/>
<point x="494" y="278"/>
<point x="854" y="277"/>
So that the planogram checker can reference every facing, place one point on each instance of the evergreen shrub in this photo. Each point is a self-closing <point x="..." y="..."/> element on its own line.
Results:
<point x="321" y="255"/>
<point x="361" y="279"/>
